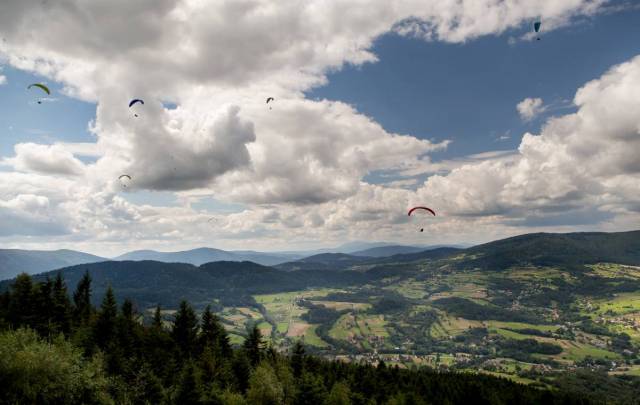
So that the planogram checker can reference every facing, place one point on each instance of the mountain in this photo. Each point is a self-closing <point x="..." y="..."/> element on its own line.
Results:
<point x="532" y="308"/>
<point x="324" y="261"/>
<point x="548" y="249"/>
<point x="204" y="255"/>
<point x="385" y="251"/>
<point x="149" y="283"/>
<point x="16" y="261"/>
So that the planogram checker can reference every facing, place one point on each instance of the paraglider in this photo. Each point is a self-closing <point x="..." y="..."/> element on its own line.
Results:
<point x="269" y="99"/>
<point x="134" y="101"/>
<point x="536" y="27"/>
<point x="123" y="179"/>
<point x="419" y="209"/>
<point x="40" y="86"/>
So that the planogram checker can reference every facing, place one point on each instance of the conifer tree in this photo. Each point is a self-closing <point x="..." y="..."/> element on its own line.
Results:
<point x="82" y="300"/>
<point x="254" y="345"/>
<point x="61" y="306"/>
<point x="213" y="334"/>
<point x="340" y="394"/>
<point x="185" y="329"/>
<point x="189" y="390"/>
<point x="297" y="358"/>
<point x="157" y="319"/>
<point x="43" y="308"/>
<point x="105" y="327"/>
<point x="21" y="306"/>
<point x="127" y="327"/>
<point x="311" y="389"/>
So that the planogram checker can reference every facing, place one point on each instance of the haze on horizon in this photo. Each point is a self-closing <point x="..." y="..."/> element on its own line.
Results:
<point x="376" y="109"/>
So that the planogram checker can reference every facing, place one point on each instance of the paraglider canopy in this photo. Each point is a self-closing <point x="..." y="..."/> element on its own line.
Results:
<point x="124" y="179"/>
<point x="270" y="99"/>
<point x="411" y="211"/>
<point x="40" y="86"/>
<point x="134" y="101"/>
<point x="420" y="209"/>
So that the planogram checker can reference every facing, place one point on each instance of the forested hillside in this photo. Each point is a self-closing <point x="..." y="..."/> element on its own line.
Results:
<point x="72" y="353"/>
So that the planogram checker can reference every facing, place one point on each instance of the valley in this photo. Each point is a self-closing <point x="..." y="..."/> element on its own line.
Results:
<point x="529" y="317"/>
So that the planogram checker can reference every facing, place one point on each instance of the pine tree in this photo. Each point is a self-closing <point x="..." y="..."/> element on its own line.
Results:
<point x="241" y="370"/>
<point x="82" y="300"/>
<point x="105" y="326"/>
<point x="43" y="308"/>
<point x="213" y="334"/>
<point x="254" y="345"/>
<point x="297" y="358"/>
<point x="61" y="306"/>
<point x="265" y="388"/>
<point x="157" y="319"/>
<point x="340" y="394"/>
<point x="189" y="390"/>
<point x="127" y="328"/>
<point x="185" y="329"/>
<point x="21" y="306"/>
<point x="311" y="389"/>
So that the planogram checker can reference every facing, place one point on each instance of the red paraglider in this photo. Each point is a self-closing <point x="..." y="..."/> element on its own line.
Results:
<point x="421" y="208"/>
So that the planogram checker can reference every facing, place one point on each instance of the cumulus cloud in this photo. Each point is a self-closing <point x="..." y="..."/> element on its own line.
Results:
<point x="586" y="159"/>
<point x="47" y="159"/>
<point x="28" y="214"/>
<point x="299" y="166"/>
<point x="529" y="108"/>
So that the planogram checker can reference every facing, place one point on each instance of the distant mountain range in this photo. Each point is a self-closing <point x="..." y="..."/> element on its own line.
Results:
<point x="16" y="261"/>
<point x="149" y="282"/>
<point x="205" y="255"/>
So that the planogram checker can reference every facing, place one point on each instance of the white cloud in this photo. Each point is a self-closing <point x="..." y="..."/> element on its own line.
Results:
<point x="585" y="160"/>
<point x="529" y="108"/>
<point x="46" y="159"/>
<point x="299" y="166"/>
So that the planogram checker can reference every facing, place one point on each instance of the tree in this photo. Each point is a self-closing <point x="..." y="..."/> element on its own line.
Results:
<point x="43" y="308"/>
<point x="311" y="389"/>
<point x="297" y="358"/>
<point x="21" y="306"/>
<point x="104" y="330"/>
<point x="33" y="371"/>
<point x="61" y="306"/>
<point x="127" y="326"/>
<point x="185" y="329"/>
<point x="82" y="300"/>
<point x="254" y="345"/>
<point x="214" y="335"/>
<point x="241" y="370"/>
<point x="340" y="394"/>
<point x="189" y="390"/>
<point x="157" y="319"/>
<point x="264" y="387"/>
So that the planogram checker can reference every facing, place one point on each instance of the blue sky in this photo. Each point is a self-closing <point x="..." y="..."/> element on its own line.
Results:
<point x="468" y="92"/>
<point x="311" y="171"/>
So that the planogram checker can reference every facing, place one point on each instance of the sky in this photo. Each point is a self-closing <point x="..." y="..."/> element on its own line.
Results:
<point x="378" y="106"/>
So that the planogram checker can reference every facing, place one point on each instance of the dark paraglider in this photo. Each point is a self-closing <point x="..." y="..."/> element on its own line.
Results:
<point x="133" y="102"/>
<point x="420" y="209"/>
